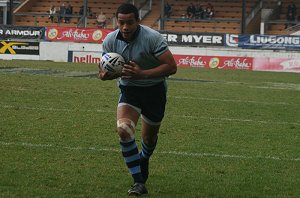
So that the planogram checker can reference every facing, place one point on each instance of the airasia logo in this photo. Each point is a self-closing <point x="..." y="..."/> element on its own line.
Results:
<point x="76" y="35"/>
<point x="239" y="63"/>
<point x="192" y="62"/>
<point x="218" y="62"/>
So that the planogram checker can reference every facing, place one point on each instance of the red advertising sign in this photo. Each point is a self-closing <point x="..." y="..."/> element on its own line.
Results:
<point x="220" y="62"/>
<point x="87" y="35"/>
<point x="277" y="64"/>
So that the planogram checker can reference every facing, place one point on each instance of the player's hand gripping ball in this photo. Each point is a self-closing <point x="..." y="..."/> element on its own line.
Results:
<point x="112" y="62"/>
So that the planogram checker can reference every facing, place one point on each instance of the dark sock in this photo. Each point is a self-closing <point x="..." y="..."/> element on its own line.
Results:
<point x="145" y="154"/>
<point x="147" y="150"/>
<point x="132" y="159"/>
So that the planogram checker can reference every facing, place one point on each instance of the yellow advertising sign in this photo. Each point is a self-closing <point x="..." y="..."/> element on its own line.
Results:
<point x="15" y="47"/>
<point x="9" y="46"/>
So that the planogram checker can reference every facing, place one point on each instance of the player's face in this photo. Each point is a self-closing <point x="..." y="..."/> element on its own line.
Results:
<point x="127" y="24"/>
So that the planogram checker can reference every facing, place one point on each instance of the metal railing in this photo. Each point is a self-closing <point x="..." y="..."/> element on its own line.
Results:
<point x="295" y="29"/>
<point x="145" y="9"/>
<point x="258" y="6"/>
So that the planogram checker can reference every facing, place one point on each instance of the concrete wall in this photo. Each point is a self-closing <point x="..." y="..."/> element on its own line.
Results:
<point x="91" y="53"/>
<point x="58" y="51"/>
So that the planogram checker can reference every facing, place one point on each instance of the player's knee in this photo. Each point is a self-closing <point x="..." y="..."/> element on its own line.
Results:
<point x="125" y="129"/>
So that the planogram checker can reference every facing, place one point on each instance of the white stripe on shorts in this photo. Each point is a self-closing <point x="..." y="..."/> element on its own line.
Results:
<point x="134" y="107"/>
<point x="148" y="121"/>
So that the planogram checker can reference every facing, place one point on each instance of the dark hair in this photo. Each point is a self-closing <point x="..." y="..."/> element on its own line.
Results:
<point x="128" y="8"/>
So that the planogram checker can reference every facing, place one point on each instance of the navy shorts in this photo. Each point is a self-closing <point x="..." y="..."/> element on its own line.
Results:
<point x="151" y="101"/>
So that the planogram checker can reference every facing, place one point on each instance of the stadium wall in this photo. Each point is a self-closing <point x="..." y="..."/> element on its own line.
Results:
<point x="210" y="50"/>
<point x="222" y="58"/>
<point x="58" y="51"/>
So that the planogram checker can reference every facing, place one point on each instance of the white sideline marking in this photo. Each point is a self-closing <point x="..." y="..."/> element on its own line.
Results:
<point x="228" y="100"/>
<point x="264" y="85"/>
<point x="182" y="116"/>
<point x="284" y="86"/>
<point x="177" y="153"/>
<point x="238" y="120"/>
<point x="194" y="98"/>
<point x="54" y="109"/>
<point x="227" y="156"/>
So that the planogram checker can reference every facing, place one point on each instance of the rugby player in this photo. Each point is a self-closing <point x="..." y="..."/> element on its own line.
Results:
<point x="143" y="89"/>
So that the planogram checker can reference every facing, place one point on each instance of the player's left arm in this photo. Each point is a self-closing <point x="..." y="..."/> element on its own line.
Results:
<point x="167" y="67"/>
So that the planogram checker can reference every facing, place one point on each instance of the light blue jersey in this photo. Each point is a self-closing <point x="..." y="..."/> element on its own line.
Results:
<point x="144" y="49"/>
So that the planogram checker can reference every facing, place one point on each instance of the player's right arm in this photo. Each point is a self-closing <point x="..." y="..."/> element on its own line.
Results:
<point x="107" y="47"/>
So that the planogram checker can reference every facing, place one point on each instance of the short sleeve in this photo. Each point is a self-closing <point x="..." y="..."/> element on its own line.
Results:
<point x="160" y="45"/>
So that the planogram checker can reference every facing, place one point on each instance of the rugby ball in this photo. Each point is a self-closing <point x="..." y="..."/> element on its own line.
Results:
<point x="112" y="62"/>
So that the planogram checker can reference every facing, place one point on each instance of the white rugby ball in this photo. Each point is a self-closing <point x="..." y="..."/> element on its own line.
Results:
<point x="112" y="62"/>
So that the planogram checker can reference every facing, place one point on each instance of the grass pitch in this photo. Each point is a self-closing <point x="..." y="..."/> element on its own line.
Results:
<point x="225" y="134"/>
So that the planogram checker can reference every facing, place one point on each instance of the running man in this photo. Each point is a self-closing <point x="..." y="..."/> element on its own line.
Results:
<point x="142" y="89"/>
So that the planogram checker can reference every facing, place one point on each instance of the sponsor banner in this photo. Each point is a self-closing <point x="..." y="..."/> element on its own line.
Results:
<point x="276" y="64"/>
<point x="17" y="47"/>
<point x="207" y="39"/>
<point x="87" y="35"/>
<point x="288" y="42"/>
<point x="21" y="33"/>
<point x="232" y="40"/>
<point x="220" y="62"/>
<point x="84" y="57"/>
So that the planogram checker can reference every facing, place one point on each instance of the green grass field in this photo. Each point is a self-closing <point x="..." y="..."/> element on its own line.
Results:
<point x="225" y="134"/>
